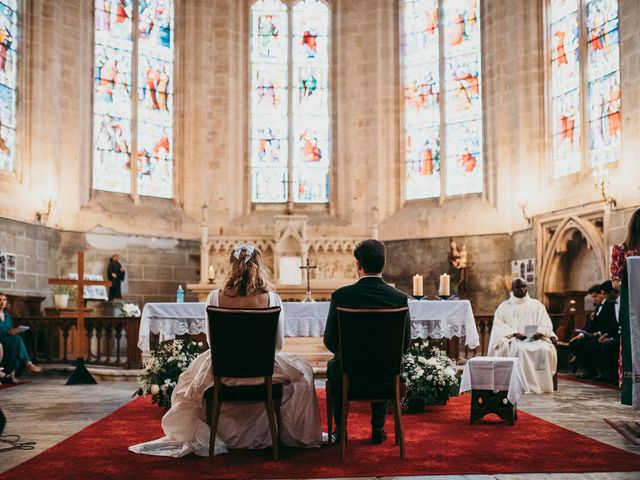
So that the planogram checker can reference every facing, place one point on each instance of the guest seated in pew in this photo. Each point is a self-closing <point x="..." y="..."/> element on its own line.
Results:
<point x="590" y="332"/>
<point x="15" y="358"/>
<point x="600" y="340"/>
<point x="519" y="315"/>
<point x="370" y="291"/>
<point x="240" y="425"/>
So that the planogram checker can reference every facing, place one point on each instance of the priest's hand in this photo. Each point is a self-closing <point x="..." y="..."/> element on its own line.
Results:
<point x="519" y="336"/>
<point x="537" y="336"/>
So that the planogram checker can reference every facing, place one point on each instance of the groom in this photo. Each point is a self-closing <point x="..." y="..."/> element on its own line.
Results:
<point x="370" y="291"/>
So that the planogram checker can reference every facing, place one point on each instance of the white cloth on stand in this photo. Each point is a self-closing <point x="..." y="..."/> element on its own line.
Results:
<point x="538" y="358"/>
<point x="498" y="374"/>
<point x="240" y="425"/>
<point x="633" y="275"/>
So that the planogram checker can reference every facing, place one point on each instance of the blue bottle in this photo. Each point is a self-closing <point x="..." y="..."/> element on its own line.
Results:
<point x="180" y="295"/>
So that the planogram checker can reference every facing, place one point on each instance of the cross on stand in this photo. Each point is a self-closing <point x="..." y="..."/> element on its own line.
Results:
<point x="308" y="268"/>
<point x="81" y="338"/>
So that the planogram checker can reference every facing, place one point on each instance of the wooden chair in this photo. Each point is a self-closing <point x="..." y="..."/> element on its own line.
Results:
<point x="243" y="345"/>
<point x="371" y="345"/>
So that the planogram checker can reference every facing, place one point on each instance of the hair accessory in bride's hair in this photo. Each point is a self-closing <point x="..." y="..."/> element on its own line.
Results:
<point x="238" y="249"/>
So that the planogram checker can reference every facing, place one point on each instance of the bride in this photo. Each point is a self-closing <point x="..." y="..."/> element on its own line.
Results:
<point x="240" y="425"/>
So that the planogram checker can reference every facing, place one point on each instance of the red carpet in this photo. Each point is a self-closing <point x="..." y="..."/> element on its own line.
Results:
<point x="439" y="441"/>
<point x="595" y="383"/>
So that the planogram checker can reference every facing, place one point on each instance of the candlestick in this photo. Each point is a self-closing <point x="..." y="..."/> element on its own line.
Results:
<point x="211" y="274"/>
<point x="417" y="285"/>
<point x="445" y="285"/>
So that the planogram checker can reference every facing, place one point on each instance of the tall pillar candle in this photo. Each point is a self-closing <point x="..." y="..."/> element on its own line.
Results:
<point x="417" y="285"/>
<point x="445" y="288"/>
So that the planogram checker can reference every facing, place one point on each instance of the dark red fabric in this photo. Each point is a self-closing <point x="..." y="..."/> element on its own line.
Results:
<point x="439" y="441"/>
<point x="9" y="385"/>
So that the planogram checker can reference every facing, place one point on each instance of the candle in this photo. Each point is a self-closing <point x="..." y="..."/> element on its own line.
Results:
<point x="211" y="272"/>
<point x="417" y="285"/>
<point x="444" y="289"/>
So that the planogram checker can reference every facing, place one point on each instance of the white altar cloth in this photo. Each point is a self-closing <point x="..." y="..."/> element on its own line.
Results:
<point x="498" y="374"/>
<point x="429" y="319"/>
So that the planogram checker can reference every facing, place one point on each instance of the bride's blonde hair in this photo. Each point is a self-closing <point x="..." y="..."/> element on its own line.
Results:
<point x="247" y="274"/>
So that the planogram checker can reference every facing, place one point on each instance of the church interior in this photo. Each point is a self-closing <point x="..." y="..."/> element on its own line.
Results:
<point x="480" y="140"/>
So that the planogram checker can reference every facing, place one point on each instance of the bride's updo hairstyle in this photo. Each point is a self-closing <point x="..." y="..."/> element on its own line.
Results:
<point x="247" y="275"/>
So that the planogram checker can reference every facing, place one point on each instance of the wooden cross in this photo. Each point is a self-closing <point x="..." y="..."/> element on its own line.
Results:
<point x="81" y="339"/>
<point x="308" y="268"/>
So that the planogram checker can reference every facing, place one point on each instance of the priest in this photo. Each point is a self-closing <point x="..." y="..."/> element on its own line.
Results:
<point x="522" y="328"/>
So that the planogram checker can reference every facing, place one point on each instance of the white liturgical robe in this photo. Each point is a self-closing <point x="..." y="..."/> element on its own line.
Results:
<point x="538" y="358"/>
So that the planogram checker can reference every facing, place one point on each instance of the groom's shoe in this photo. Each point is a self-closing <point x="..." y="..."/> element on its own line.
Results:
<point x="378" y="435"/>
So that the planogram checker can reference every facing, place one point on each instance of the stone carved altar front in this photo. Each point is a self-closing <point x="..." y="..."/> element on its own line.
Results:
<point x="333" y="258"/>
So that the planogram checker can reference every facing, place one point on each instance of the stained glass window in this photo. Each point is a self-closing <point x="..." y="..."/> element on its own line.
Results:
<point x="289" y="101"/>
<point x="117" y="76"/>
<point x="8" y="66"/>
<point x="454" y="25"/>
<point x="598" y="112"/>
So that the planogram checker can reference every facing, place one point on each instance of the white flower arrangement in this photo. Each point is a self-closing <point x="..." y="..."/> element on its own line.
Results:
<point x="130" y="310"/>
<point x="430" y="376"/>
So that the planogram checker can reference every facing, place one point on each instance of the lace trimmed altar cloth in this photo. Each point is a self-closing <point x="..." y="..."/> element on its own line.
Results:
<point x="429" y="319"/>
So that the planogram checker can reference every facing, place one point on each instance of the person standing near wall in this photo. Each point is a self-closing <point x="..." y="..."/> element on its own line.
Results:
<point x="115" y="273"/>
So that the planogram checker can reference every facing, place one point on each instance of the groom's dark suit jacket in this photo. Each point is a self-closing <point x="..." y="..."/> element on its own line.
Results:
<point x="368" y="292"/>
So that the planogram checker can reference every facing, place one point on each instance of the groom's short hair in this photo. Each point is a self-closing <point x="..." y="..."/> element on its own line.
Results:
<point x="370" y="254"/>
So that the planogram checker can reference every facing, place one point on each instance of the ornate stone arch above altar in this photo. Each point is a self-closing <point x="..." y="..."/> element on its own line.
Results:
<point x="579" y="235"/>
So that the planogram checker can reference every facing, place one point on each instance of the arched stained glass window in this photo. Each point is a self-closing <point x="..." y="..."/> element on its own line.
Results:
<point x="8" y="80"/>
<point x="133" y="156"/>
<point x="290" y="138"/>
<point x="442" y="53"/>
<point x="584" y="29"/>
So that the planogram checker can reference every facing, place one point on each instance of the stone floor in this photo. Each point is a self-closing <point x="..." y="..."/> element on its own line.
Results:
<point x="46" y="411"/>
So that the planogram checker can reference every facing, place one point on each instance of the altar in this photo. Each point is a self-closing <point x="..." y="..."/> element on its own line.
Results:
<point x="429" y="319"/>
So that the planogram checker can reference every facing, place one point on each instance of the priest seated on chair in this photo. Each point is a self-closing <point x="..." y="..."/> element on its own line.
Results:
<point x="522" y="328"/>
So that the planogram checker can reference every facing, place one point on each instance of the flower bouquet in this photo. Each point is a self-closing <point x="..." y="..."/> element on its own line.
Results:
<point x="130" y="310"/>
<point x="164" y="367"/>
<point x="430" y="375"/>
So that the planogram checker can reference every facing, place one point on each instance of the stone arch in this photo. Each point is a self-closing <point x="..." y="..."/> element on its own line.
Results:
<point x="568" y="232"/>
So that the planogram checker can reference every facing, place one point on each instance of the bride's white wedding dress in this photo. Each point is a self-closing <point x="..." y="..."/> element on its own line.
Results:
<point x="240" y="425"/>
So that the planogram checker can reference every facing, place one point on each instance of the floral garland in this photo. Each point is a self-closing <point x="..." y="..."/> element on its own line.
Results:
<point x="430" y="375"/>
<point x="164" y="367"/>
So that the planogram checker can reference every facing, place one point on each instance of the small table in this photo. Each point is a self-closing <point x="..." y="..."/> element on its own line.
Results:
<point x="496" y="385"/>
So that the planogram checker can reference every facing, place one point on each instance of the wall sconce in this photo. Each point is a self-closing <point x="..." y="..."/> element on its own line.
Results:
<point x="522" y="205"/>
<point x="43" y="217"/>
<point x="601" y="177"/>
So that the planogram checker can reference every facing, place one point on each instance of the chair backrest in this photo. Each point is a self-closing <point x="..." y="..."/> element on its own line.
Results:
<point x="371" y="342"/>
<point x="243" y="341"/>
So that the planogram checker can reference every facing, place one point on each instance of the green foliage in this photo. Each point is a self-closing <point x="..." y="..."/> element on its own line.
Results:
<point x="164" y="367"/>
<point x="430" y="375"/>
<point x="65" y="290"/>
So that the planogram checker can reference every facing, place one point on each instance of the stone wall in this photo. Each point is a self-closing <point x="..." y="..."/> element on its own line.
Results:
<point x="488" y="255"/>
<point x="155" y="266"/>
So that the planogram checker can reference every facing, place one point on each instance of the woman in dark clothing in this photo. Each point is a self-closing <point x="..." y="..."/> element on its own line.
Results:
<point x="15" y="358"/>
<point x="116" y="274"/>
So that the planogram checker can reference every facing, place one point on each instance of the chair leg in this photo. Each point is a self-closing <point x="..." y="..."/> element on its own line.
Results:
<point x="214" y="424"/>
<point x="329" y="395"/>
<point x="277" y="405"/>
<point x="345" y="415"/>
<point x="272" y="427"/>
<point x="398" y="424"/>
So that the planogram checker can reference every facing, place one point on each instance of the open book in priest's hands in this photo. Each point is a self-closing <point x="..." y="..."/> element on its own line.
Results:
<point x="530" y="331"/>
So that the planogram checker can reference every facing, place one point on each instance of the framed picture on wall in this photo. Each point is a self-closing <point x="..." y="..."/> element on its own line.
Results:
<point x="524" y="268"/>
<point x="8" y="266"/>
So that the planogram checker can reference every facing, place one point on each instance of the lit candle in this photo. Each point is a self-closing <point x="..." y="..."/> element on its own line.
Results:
<point x="417" y="285"/>
<point x="211" y="272"/>
<point x="444" y="289"/>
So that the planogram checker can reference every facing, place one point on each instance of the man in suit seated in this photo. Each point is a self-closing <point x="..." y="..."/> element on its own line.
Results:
<point x="584" y="336"/>
<point x="370" y="291"/>
<point x="601" y="347"/>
